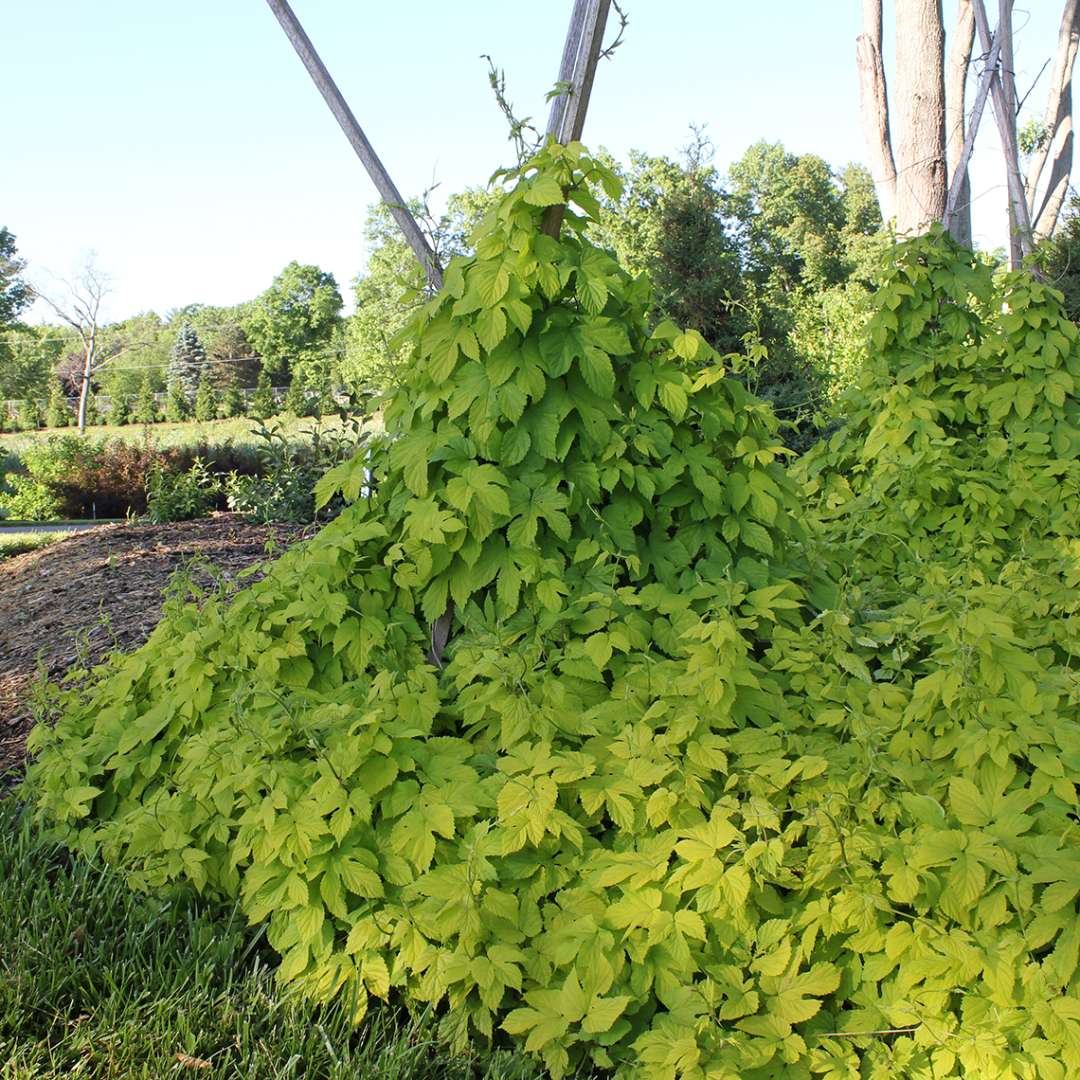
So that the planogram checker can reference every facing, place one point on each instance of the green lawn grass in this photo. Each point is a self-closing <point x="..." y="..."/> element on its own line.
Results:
<point x="101" y="983"/>
<point x="16" y="542"/>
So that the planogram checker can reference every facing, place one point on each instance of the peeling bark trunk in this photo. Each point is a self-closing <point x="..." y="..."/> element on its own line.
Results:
<point x="874" y="106"/>
<point x="1059" y="122"/>
<point x="921" y="176"/>
<point x="963" y="36"/>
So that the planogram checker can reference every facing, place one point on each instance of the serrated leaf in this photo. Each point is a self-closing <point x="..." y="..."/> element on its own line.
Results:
<point x="596" y="369"/>
<point x="515" y="446"/>
<point x="603" y="1012"/>
<point x="490" y="278"/>
<point x="544" y="191"/>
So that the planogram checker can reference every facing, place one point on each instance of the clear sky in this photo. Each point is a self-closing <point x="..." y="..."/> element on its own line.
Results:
<point x="185" y="145"/>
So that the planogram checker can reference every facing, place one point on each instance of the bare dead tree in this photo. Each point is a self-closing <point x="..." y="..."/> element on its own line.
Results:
<point x="77" y="302"/>
<point x="911" y="182"/>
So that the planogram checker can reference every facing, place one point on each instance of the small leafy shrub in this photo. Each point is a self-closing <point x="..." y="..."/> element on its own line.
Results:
<point x="282" y="487"/>
<point x="222" y="457"/>
<point x="78" y="477"/>
<point x="181" y="496"/>
<point x="22" y="498"/>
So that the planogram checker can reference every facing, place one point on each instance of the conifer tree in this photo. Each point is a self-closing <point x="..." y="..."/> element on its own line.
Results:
<point x="29" y="415"/>
<point x="262" y="405"/>
<point x="177" y="406"/>
<point x="93" y="413"/>
<point x="296" y="400"/>
<point x="57" y="413"/>
<point x="232" y="401"/>
<point x="205" y="398"/>
<point x="119" y="409"/>
<point x="146" y="411"/>
<point x="186" y="360"/>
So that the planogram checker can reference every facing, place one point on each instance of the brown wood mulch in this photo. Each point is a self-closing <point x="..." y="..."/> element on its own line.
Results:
<point x="82" y="597"/>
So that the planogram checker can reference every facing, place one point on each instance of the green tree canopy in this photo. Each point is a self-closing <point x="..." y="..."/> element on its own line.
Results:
<point x="292" y="324"/>
<point x="392" y="283"/>
<point x="15" y="293"/>
<point x="670" y="223"/>
<point x="28" y="358"/>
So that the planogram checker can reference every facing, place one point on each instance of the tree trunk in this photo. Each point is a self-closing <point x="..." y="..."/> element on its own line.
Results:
<point x="874" y="106"/>
<point x="1059" y="124"/>
<point x="921" y="187"/>
<point x="89" y="351"/>
<point x="963" y="36"/>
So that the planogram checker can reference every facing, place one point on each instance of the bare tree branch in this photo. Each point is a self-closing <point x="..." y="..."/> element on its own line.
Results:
<point x="959" y="200"/>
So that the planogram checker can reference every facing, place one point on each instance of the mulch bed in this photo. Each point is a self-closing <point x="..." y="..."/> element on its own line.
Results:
<point x="75" y="601"/>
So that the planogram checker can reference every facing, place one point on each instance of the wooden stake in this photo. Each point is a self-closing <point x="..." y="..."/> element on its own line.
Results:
<point x="358" y="140"/>
<point x="588" y="54"/>
<point x="960" y="169"/>
<point x="566" y="66"/>
<point x="1005" y="114"/>
<point x="589" y="38"/>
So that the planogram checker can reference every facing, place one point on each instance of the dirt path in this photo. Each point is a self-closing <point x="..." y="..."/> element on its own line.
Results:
<point x="82" y="597"/>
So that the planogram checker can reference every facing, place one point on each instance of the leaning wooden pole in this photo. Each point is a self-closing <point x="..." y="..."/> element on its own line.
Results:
<point x="588" y="55"/>
<point x="1020" y="243"/>
<point x="566" y="65"/>
<point x="358" y="140"/>
<point x="584" y="39"/>
<point x="952" y="204"/>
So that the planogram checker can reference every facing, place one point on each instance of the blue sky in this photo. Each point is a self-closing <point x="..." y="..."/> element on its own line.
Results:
<point x="186" y="146"/>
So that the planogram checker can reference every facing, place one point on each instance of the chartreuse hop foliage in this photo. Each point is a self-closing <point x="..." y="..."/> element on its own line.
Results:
<point x="675" y="804"/>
